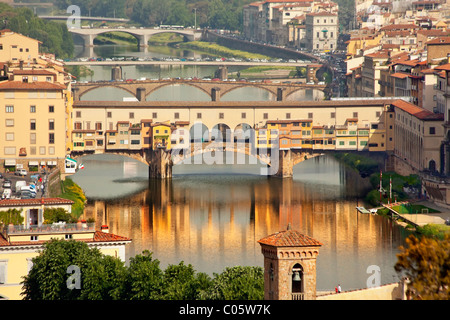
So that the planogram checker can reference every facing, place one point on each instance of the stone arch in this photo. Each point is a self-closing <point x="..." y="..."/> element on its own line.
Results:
<point x="221" y="132"/>
<point x="199" y="132"/>
<point x="432" y="165"/>
<point x="111" y="85"/>
<point x="171" y="83"/>
<point x="237" y="87"/>
<point x="243" y="132"/>
<point x="136" y="36"/>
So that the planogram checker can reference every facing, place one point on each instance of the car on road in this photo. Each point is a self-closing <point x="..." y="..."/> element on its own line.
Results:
<point x="6" y="184"/>
<point x="21" y="172"/>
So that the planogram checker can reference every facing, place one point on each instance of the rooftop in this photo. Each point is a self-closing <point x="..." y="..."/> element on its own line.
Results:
<point x="289" y="238"/>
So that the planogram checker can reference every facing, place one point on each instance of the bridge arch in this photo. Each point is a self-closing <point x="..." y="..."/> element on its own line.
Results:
<point x="172" y="83"/>
<point x="109" y="85"/>
<point x="221" y="132"/>
<point x="214" y="152"/>
<point x="272" y="93"/>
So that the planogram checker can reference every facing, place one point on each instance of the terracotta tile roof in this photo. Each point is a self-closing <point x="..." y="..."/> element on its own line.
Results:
<point x="400" y="75"/>
<point x="33" y="71"/>
<point x="19" y="85"/>
<point x="99" y="236"/>
<point x="417" y="112"/>
<point x="399" y="27"/>
<point x="33" y="202"/>
<point x="289" y="238"/>
<point x="441" y="40"/>
<point x="445" y="67"/>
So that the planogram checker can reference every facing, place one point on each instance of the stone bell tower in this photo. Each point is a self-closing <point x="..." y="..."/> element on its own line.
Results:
<point x="289" y="265"/>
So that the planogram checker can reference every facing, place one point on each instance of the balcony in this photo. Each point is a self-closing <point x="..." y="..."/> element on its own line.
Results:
<point x="59" y="227"/>
<point x="297" y="296"/>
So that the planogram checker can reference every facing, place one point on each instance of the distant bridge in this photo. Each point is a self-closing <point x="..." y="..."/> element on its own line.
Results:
<point x="215" y="89"/>
<point x="81" y="17"/>
<point x="142" y="34"/>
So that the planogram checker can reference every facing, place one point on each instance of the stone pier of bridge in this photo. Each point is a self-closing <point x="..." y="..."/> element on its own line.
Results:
<point x="281" y="164"/>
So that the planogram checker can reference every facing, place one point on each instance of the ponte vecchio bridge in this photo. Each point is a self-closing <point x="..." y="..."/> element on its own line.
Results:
<point x="337" y="120"/>
<point x="215" y="89"/>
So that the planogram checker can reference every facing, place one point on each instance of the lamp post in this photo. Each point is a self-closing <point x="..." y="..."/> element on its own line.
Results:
<point x="195" y="18"/>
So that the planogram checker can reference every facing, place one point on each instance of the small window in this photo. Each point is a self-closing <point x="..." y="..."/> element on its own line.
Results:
<point x="68" y="236"/>
<point x="34" y="238"/>
<point x="221" y="115"/>
<point x="109" y="114"/>
<point x="243" y="115"/>
<point x="51" y="109"/>
<point x="177" y="115"/>
<point x="154" y="115"/>
<point x="432" y="130"/>
<point x="32" y="109"/>
<point x="266" y="116"/>
<point x="199" y="115"/>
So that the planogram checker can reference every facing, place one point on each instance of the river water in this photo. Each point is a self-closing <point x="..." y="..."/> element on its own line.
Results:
<point x="211" y="216"/>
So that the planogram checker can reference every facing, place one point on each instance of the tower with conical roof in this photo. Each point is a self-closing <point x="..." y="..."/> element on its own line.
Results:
<point x="289" y="265"/>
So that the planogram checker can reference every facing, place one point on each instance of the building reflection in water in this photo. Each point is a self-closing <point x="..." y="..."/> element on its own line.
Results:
<point x="214" y="221"/>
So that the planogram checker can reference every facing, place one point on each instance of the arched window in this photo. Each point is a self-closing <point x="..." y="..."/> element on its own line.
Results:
<point x="297" y="282"/>
<point x="432" y="165"/>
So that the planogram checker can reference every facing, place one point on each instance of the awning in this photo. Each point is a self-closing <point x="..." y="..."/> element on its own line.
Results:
<point x="51" y="163"/>
<point x="10" y="162"/>
<point x="33" y="163"/>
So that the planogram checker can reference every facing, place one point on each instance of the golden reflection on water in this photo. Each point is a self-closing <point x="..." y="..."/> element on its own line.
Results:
<point x="214" y="222"/>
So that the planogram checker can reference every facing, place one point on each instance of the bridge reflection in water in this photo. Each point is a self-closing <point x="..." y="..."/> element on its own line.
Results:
<point x="214" y="220"/>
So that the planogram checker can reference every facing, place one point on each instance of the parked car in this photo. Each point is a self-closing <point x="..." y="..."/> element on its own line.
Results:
<point x="21" y="172"/>
<point x="6" y="184"/>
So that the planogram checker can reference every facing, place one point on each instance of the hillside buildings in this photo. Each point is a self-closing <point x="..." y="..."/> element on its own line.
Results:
<point x="36" y="106"/>
<point x="306" y="24"/>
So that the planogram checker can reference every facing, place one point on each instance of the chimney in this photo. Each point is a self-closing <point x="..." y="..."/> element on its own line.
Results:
<point x="105" y="228"/>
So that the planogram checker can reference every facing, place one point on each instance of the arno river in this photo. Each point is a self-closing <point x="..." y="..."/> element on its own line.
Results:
<point x="211" y="216"/>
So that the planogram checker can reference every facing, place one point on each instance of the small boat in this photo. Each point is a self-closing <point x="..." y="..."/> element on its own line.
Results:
<point x="362" y="210"/>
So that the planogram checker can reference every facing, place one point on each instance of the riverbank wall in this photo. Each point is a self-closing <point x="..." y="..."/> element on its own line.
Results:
<point x="267" y="50"/>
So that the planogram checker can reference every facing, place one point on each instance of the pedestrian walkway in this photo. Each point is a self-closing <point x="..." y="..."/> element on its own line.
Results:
<point x="421" y="219"/>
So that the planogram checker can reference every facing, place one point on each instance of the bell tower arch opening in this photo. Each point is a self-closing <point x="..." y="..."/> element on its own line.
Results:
<point x="289" y="265"/>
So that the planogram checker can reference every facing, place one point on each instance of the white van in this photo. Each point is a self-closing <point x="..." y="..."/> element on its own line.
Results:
<point x="20" y="184"/>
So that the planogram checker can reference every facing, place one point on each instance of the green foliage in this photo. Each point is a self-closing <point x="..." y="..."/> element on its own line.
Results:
<point x="144" y="278"/>
<point x="54" y="36"/>
<point x="238" y="283"/>
<point x="107" y="278"/>
<point x="102" y="277"/>
<point x="58" y="214"/>
<point x="73" y="192"/>
<point x="11" y="216"/>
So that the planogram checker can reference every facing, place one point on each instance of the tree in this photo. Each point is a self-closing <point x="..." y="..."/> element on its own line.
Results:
<point x="144" y="278"/>
<point x="58" y="214"/>
<point x="181" y="283"/>
<point x="238" y="283"/>
<point x="426" y="263"/>
<point x="100" y="277"/>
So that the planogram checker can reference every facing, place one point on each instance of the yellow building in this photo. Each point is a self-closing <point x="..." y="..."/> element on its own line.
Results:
<point x="161" y="133"/>
<point x="19" y="244"/>
<point x="35" y="111"/>
<point x="15" y="47"/>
